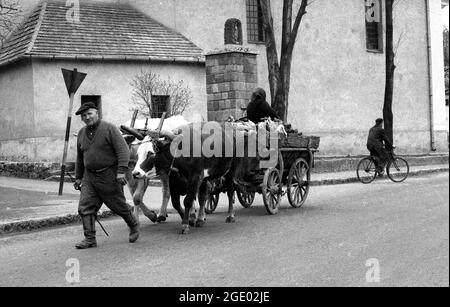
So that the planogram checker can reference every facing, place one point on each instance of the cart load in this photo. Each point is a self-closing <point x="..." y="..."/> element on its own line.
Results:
<point x="288" y="137"/>
<point x="291" y="176"/>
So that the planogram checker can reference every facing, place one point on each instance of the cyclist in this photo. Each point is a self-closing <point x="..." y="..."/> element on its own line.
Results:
<point x="376" y="145"/>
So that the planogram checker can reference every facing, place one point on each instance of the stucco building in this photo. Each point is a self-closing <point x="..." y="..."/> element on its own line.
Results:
<point x="111" y="43"/>
<point x="338" y="71"/>
<point x="337" y="81"/>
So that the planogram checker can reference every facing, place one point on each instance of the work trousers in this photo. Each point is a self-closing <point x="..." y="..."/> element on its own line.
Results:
<point x="102" y="188"/>
<point x="378" y="150"/>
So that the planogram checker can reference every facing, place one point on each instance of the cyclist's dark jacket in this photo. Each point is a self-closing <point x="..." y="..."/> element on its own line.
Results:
<point x="376" y="137"/>
<point x="375" y="145"/>
<point x="259" y="108"/>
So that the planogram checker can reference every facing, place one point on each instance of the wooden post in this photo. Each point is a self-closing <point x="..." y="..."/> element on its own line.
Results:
<point x="66" y="145"/>
<point x="163" y="118"/>
<point x="133" y="119"/>
<point x="73" y="80"/>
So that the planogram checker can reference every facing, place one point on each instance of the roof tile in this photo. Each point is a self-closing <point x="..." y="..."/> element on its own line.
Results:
<point x="109" y="30"/>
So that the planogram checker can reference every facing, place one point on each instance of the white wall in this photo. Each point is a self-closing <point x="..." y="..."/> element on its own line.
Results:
<point x="437" y="45"/>
<point x="16" y="101"/>
<point x="337" y="87"/>
<point x="110" y="80"/>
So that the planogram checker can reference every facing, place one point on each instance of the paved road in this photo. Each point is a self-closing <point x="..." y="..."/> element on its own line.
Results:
<point x="327" y="243"/>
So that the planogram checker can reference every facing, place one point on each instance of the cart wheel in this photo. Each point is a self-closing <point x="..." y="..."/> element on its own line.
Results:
<point x="245" y="198"/>
<point x="211" y="203"/>
<point x="271" y="190"/>
<point x="298" y="183"/>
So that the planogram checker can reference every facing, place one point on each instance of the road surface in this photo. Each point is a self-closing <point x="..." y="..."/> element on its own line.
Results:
<point x="383" y="234"/>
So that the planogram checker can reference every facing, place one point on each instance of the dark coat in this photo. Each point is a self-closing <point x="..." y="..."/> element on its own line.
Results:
<point x="377" y="136"/>
<point x="259" y="108"/>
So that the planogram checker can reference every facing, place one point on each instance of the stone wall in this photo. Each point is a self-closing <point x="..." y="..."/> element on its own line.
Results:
<point x="29" y="170"/>
<point x="231" y="77"/>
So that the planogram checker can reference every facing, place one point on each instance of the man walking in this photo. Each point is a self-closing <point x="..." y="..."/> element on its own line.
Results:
<point x="375" y="144"/>
<point x="102" y="161"/>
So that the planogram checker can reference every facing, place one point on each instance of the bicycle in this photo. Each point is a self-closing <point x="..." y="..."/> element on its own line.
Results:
<point x="397" y="168"/>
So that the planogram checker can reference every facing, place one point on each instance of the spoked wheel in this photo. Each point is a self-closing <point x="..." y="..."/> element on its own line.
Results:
<point x="211" y="203"/>
<point x="398" y="169"/>
<point x="245" y="198"/>
<point x="271" y="190"/>
<point x="366" y="170"/>
<point x="298" y="183"/>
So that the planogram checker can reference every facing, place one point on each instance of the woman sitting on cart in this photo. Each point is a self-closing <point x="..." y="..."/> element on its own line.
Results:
<point x="259" y="109"/>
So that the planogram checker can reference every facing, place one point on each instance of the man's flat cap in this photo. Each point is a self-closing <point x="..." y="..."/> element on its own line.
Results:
<point x="86" y="106"/>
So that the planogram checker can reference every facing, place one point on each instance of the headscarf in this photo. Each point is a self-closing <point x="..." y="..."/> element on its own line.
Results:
<point x="258" y="94"/>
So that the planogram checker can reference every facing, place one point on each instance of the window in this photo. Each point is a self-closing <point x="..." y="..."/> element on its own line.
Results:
<point x="255" y="24"/>
<point x="95" y="99"/>
<point x="374" y="26"/>
<point x="160" y="105"/>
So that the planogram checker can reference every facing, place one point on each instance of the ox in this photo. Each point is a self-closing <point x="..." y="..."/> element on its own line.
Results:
<point x="138" y="180"/>
<point x="191" y="174"/>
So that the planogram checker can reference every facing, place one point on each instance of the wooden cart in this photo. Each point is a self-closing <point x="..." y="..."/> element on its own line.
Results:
<point x="291" y="176"/>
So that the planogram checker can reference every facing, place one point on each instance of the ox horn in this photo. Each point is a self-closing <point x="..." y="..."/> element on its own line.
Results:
<point x="133" y="132"/>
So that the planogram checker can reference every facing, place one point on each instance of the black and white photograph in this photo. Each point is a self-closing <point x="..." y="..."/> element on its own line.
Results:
<point x="224" y="150"/>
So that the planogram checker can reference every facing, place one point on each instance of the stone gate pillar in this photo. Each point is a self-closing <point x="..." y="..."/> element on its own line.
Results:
<point x="231" y="76"/>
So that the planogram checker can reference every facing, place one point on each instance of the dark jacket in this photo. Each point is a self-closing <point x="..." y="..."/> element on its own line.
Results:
<point x="259" y="108"/>
<point x="377" y="136"/>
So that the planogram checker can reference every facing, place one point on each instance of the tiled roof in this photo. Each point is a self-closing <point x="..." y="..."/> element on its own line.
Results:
<point x="105" y="31"/>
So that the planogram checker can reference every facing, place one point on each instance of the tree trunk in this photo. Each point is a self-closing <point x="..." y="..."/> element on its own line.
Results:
<point x="281" y="102"/>
<point x="271" y="50"/>
<point x="390" y="70"/>
<point x="280" y="71"/>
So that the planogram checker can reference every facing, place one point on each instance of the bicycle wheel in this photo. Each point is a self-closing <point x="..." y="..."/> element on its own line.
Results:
<point x="366" y="170"/>
<point x="398" y="169"/>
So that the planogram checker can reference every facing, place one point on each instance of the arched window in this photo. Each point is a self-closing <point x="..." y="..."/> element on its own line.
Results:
<point x="233" y="32"/>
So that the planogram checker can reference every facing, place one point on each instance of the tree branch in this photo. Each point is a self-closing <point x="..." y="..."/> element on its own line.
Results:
<point x="298" y="21"/>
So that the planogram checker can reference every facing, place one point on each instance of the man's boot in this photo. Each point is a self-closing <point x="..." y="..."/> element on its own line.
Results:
<point x="134" y="226"/>
<point x="89" y="232"/>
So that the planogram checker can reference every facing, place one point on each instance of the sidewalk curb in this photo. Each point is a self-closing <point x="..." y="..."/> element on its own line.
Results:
<point x="355" y="179"/>
<point x="32" y="225"/>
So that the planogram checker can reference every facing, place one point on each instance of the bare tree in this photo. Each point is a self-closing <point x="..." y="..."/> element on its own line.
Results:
<point x="390" y="70"/>
<point x="148" y="84"/>
<point x="9" y="17"/>
<point x="446" y="56"/>
<point x="280" y="70"/>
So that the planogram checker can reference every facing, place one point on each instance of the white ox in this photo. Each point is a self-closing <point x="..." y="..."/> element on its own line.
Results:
<point x="138" y="181"/>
